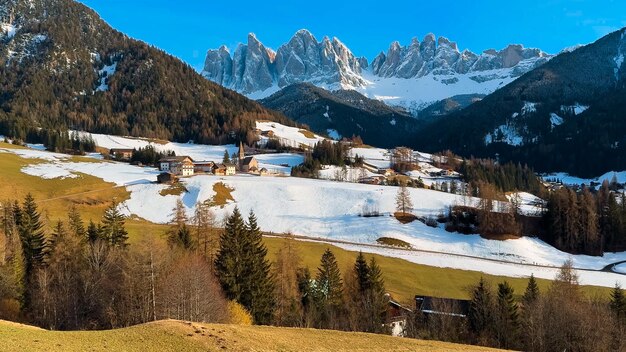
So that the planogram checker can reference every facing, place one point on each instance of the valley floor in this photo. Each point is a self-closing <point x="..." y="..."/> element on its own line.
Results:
<point x="325" y="210"/>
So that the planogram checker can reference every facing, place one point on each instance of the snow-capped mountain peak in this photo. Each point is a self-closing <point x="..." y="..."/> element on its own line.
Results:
<point x="411" y="76"/>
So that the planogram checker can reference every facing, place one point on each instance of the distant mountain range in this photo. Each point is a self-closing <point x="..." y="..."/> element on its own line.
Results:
<point x="412" y="76"/>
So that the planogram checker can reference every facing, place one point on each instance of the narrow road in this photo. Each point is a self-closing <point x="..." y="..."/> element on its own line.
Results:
<point x="608" y="268"/>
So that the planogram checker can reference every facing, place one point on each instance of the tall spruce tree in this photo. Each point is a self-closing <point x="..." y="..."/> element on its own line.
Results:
<point x="532" y="292"/>
<point x="33" y="242"/>
<point x="618" y="302"/>
<point x="229" y="263"/>
<point x="243" y="269"/>
<point x="362" y="272"/>
<point x="94" y="232"/>
<point x="262" y="301"/>
<point x="113" y="227"/>
<point x="378" y="298"/>
<point x="480" y="314"/>
<point x="507" y="326"/>
<point x="75" y="223"/>
<point x="329" y="291"/>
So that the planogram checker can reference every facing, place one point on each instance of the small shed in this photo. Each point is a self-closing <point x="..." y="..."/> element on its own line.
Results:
<point x="166" y="177"/>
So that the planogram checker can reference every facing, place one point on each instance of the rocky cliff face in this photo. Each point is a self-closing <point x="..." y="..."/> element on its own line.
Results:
<point x="253" y="67"/>
<point x="442" y="57"/>
<point x="256" y="71"/>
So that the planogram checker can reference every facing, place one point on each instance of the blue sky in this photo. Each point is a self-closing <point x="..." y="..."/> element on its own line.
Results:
<point x="188" y="28"/>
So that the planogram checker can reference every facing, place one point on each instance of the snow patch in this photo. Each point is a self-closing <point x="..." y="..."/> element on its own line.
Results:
<point x="104" y="74"/>
<point x="392" y="122"/>
<point x="529" y="107"/>
<point x="48" y="171"/>
<point x="9" y="29"/>
<point x="575" y="109"/>
<point x="555" y="120"/>
<point x="505" y="133"/>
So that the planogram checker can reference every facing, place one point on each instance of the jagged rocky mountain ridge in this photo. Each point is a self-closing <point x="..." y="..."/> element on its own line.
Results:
<point x="412" y="76"/>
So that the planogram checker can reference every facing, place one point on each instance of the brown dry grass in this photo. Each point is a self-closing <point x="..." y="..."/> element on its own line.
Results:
<point x="173" y="335"/>
<point x="404" y="218"/>
<point x="307" y="133"/>
<point x="222" y="195"/>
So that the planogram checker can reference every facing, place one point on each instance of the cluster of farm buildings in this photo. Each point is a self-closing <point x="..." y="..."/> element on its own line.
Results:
<point x="172" y="167"/>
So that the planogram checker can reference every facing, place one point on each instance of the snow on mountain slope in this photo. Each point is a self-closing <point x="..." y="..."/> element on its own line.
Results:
<point x="411" y="76"/>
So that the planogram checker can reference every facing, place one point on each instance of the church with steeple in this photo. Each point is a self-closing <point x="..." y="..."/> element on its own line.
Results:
<point x="246" y="163"/>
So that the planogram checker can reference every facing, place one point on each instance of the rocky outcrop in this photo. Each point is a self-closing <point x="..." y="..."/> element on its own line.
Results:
<point x="253" y="67"/>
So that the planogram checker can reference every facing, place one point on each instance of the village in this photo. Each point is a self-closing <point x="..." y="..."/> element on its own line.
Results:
<point x="173" y="167"/>
<point x="366" y="165"/>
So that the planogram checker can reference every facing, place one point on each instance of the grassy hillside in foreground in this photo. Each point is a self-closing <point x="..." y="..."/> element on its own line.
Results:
<point x="403" y="279"/>
<point x="173" y="335"/>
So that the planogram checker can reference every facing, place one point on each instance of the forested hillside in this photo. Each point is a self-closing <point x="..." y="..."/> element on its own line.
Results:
<point x="566" y="115"/>
<point x="61" y="66"/>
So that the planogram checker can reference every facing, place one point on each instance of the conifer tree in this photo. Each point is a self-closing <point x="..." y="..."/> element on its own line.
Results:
<point x="75" y="223"/>
<point x="57" y="235"/>
<point x="329" y="291"/>
<point x="33" y="244"/>
<point x="480" y="314"/>
<point x="229" y="265"/>
<point x="242" y="268"/>
<point x="94" y="232"/>
<point x="362" y="272"/>
<point x="226" y="158"/>
<point x="508" y="317"/>
<point x="113" y="227"/>
<point x="532" y="291"/>
<point x="379" y="299"/>
<point x="179" y="233"/>
<point x="618" y="302"/>
<point x="261" y="281"/>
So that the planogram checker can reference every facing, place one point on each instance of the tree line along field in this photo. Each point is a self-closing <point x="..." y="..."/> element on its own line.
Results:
<point x="173" y="335"/>
<point x="403" y="279"/>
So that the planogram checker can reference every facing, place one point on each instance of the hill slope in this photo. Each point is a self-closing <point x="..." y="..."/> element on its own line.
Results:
<point x="566" y="111"/>
<point x="62" y="66"/>
<point x="346" y="112"/>
<point x="173" y="335"/>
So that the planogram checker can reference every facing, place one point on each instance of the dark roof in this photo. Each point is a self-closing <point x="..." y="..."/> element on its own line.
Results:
<point x="204" y="163"/>
<point x="175" y="158"/>
<point x="247" y="160"/>
<point x="122" y="150"/>
<point x="438" y="305"/>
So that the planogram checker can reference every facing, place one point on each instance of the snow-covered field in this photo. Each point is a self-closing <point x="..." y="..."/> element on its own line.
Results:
<point x="291" y="136"/>
<point x="573" y="180"/>
<point x="330" y="210"/>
